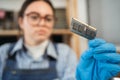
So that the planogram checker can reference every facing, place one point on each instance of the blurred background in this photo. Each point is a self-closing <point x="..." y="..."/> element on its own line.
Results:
<point x="102" y="14"/>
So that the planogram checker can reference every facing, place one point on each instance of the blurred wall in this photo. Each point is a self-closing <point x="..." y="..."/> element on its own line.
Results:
<point x="82" y="15"/>
<point x="16" y="4"/>
<point x="13" y="5"/>
<point x="105" y="16"/>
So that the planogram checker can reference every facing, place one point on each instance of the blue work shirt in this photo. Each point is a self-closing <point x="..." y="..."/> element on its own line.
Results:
<point x="66" y="59"/>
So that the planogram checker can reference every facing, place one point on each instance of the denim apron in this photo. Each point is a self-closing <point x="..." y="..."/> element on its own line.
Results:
<point x="11" y="72"/>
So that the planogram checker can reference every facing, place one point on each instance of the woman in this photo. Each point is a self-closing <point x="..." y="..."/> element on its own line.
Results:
<point x="34" y="56"/>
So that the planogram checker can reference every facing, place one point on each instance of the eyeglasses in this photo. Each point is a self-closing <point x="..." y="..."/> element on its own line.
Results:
<point x="34" y="18"/>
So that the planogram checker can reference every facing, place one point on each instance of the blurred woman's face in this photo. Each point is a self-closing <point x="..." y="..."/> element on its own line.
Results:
<point x="38" y="21"/>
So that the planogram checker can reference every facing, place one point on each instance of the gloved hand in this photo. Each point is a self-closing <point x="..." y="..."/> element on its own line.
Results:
<point x="99" y="62"/>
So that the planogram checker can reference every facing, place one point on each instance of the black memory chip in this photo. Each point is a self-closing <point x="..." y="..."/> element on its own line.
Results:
<point x="83" y="29"/>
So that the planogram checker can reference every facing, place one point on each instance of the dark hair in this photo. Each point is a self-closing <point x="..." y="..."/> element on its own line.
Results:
<point x="28" y="2"/>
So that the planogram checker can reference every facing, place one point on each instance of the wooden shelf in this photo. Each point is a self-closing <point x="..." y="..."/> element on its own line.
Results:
<point x="62" y="31"/>
<point x="17" y="32"/>
<point x="9" y="32"/>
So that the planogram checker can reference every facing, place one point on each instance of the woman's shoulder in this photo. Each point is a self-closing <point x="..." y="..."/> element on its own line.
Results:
<point x="4" y="48"/>
<point x="66" y="53"/>
<point x="62" y="45"/>
<point x="64" y="49"/>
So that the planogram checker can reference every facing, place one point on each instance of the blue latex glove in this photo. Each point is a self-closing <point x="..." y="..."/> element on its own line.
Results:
<point x="99" y="62"/>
